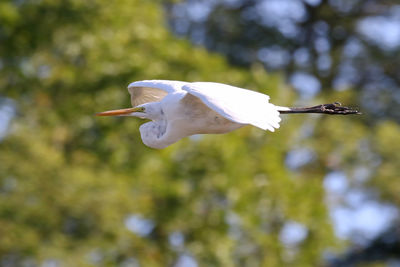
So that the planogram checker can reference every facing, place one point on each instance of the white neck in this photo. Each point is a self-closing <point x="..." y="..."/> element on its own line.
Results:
<point x="154" y="134"/>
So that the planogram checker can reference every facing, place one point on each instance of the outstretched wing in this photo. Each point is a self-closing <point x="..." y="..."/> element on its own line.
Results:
<point x="237" y="104"/>
<point x="152" y="90"/>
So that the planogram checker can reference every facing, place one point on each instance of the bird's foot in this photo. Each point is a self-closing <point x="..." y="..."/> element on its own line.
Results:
<point x="336" y="108"/>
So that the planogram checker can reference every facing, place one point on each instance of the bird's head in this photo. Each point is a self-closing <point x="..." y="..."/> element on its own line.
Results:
<point x="145" y="111"/>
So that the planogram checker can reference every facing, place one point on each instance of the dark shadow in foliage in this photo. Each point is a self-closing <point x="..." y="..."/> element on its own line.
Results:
<point x="384" y="248"/>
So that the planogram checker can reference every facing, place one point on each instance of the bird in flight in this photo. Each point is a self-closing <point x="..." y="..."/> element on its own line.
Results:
<point x="178" y="109"/>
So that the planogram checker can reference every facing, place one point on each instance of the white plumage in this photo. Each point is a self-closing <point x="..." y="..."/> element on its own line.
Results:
<point x="237" y="104"/>
<point x="178" y="109"/>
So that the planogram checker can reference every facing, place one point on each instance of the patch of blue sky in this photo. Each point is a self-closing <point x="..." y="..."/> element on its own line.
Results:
<point x="292" y="233"/>
<point x="139" y="225"/>
<point x="7" y="113"/>
<point x="383" y="31"/>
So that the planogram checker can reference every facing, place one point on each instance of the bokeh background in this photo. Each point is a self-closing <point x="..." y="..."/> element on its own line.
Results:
<point x="76" y="190"/>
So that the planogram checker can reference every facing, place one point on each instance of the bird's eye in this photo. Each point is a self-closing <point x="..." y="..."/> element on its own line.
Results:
<point x="139" y="109"/>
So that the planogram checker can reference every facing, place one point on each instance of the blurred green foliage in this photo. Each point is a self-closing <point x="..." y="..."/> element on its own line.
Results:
<point x="69" y="181"/>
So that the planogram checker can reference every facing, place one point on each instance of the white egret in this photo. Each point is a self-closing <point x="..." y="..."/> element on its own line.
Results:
<point x="178" y="109"/>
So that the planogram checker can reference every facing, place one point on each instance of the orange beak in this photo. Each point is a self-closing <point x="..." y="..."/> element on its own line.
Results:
<point x="119" y="112"/>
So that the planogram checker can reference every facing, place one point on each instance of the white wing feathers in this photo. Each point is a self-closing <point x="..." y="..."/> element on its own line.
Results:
<point x="234" y="103"/>
<point x="237" y="104"/>
<point x="152" y="90"/>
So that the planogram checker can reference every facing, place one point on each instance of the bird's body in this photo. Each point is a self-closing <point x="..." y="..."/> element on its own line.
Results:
<point x="179" y="109"/>
<point x="179" y="115"/>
